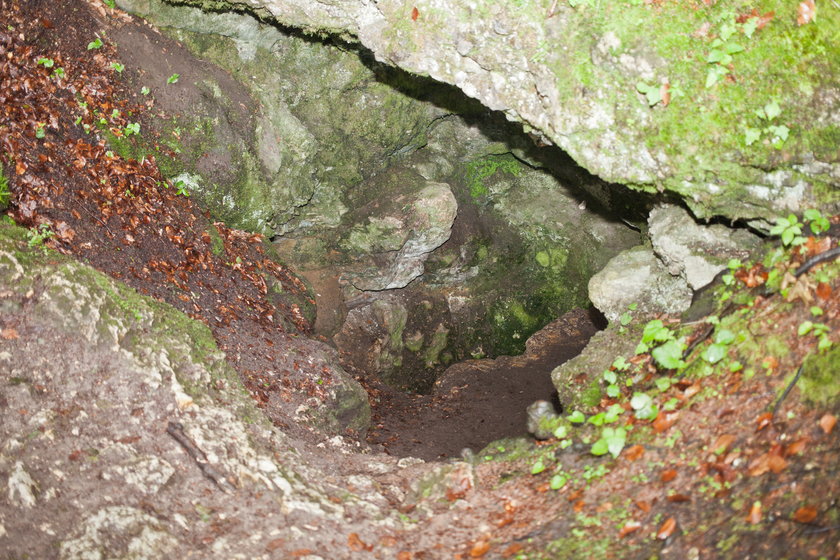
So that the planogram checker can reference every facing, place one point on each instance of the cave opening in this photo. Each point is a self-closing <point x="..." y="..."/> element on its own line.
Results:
<point x="454" y="333"/>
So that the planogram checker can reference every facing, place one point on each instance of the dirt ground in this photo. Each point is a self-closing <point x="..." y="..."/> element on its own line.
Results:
<point x="716" y="479"/>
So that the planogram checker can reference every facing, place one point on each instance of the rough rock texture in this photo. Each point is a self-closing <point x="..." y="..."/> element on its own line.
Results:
<point x="391" y="237"/>
<point x="92" y="376"/>
<point x="273" y="129"/>
<point x="636" y="276"/>
<point x="590" y="79"/>
<point x="692" y="251"/>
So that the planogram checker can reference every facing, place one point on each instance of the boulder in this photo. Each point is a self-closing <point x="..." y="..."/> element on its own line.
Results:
<point x="636" y="276"/>
<point x="692" y="251"/>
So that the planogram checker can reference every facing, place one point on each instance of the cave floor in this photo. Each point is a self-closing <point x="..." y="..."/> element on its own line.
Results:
<point x="117" y="215"/>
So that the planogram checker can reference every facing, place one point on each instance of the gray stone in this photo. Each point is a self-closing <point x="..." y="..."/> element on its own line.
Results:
<point x="394" y="237"/>
<point x="693" y="251"/>
<point x="637" y="276"/>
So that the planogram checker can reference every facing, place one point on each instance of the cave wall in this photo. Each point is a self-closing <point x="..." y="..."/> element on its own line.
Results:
<point x="750" y="127"/>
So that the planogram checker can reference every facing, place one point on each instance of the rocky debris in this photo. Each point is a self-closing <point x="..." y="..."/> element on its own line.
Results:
<point x="694" y="251"/>
<point x="637" y="276"/>
<point x="540" y="414"/>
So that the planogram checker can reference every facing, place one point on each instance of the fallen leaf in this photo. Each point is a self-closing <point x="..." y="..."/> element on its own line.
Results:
<point x="9" y="334"/>
<point x="753" y="276"/>
<point x="763" y="421"/>
<point x="665" y="93"/>
<point x="404" y="555"/>
<point x="634" y="452"/>
<point x="643" y="505"/>
<point x="668" y="475"/>
<point x="479" y="549"/>
<point x="795" y="447"/>
<point x="679" y="498"/>
<point x="628" y="528"/>
<point x="722" y="443"/>
<point x="823" y="290"/>
<point x="388" y="541"/>
<point x="415" y="13"/>
<point x="664" y="420"/>
<point x="827" y="422"/>
<point x="805" y="514"/>
<point x="356" y="544"/>
<point x="754" y="517"/>
<point x="667" y="529"/>
<point x="806" y="12"/>
<point x="512" y="549"/>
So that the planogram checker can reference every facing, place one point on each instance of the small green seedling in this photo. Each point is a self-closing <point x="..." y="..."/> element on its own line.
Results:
<point x="118" y="67"/>
<point x="95" y="44"/>
<point x="173" y="79"/>
<point x="790" y="230"/>
<point x="47" y="62"/>
<point x="144" y="90"/>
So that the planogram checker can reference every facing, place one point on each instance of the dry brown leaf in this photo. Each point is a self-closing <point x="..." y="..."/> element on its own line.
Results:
<point x="415" y="13"/>
<point x="827" y="422"/>
<point x="628" y="528"/>
<point x="679" y="498"/>
<point x="643" y="505"/>
<point x="634" y="452"/>
<point x="479" y="549"/>
<point x="806" y="12"/>
<point x="823" y="291"/>
<point x="763" y="421"/>
<point x="754" y="517"/>
<point x="805" y="514"/>
<point x="9" y="334"/>
<point x="723" y="443"/>
<point x="665" y="420"/>
<point x="668" y="475"/>
<point x="356" y="544"/>
<point x="667" y="529"/>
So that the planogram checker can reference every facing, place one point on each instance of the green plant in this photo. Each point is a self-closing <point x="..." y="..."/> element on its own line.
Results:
<point x="173" y="79"/>
<point x="644" y="406"/>
<point x="110" y="3"/>
<point x="144" y="90"/>
<point x="817" y="222"/>
<point x="95" y="44"/>
<point x="182" y="188"/>
<point x="47" y="62"/>
<point x="716" y="351"/>
<point x="132" y="128"/>
<point x="790" y="230"/>
<point x="612" y="440"/>
<point x="819" y="330"/>
<point x="5" y="193"/>
<point x="119" y="67"/>
<point x="37" y="236"/>
<point x="483" y="168"/>
<point x="39" y="131"/>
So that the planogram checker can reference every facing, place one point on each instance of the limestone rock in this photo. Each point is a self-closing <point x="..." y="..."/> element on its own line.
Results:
<point x="693" y="251"/>
<point x="393" y="237"/>
<point x="637" y="276"/>
<point x="514" y="58"/>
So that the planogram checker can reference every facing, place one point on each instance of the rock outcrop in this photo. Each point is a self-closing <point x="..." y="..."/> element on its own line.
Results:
<point x="659" y="97"/>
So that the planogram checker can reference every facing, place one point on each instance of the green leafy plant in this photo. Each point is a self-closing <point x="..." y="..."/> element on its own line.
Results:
<point x="576" y="417"/>
<point x="132" y="128"/>
<point x="716" y="351"/>
<point x="5" y="192"/>
<point x="95" y="44"/>
<point x="612" y="441"/>
<point x="778" y="133"/>
<point x="144" y="90"/>
<point x="644" y="406"/>
<point x="173" y="79"/>
<point x="819" y="330"/>
<point x="40" y="132"/>
<point x="46" y="62"/>
<point x="110" y="3"/>
<point x="119" y="67"/>
<point x="37" y="236"/>
<point x="817" y="222"/>
<point x="790" y="230"/>
<point x="182" y="188"/>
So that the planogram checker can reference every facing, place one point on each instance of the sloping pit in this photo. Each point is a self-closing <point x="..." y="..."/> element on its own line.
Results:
<point x="438" y="237"/>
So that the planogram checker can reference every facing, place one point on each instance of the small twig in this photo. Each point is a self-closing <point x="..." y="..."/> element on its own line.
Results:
<point x="551" y="12"/>
<point x="176" y="430"/>
<point x="787" y="391"/>
<point x="817" y="259"/>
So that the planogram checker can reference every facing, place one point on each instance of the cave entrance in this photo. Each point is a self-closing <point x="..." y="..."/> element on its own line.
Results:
<point x="455" y="339"/>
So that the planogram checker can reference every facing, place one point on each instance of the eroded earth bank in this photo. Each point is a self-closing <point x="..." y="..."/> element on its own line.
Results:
<point x="447" y="280"/>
